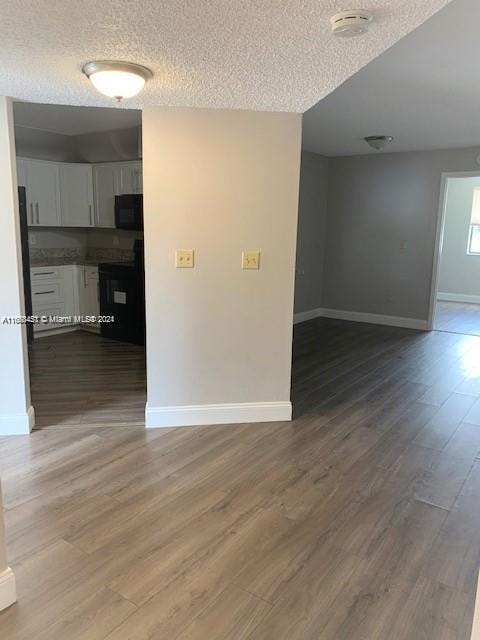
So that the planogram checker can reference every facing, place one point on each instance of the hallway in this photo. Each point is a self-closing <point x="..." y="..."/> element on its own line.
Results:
<point x="359" y="519"/>
<point x="458" y="317"/>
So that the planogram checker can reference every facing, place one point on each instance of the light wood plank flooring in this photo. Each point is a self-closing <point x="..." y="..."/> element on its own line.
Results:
<point x="458" y="317"/>
<point x="359" y="520"/>
<point x="82" y="378"/>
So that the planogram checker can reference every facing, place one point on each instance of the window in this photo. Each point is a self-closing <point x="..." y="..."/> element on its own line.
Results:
<point x="474" y="235"/>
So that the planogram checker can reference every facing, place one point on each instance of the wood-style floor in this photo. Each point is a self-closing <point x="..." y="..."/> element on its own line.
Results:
<point x="359" y="520"/>
<point x="81" y="378"/>
<point x="458" y="317"/>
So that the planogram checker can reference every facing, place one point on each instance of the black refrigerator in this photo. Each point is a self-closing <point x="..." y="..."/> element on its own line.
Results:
<point x="27" y="287"/>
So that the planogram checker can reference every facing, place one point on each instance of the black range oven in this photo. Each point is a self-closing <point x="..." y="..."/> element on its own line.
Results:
<point x="129" y="211"/>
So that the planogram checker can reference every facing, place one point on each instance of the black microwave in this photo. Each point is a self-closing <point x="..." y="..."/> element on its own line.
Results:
<point x="129" y="211"/>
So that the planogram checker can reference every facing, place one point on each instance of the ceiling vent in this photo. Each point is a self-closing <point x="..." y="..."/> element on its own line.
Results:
<point x="347" y="24"/>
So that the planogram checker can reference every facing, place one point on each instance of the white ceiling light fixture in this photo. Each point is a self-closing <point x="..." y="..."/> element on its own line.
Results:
<point x="117" y="79"/>
<point x="348" y="24"/>
<point x="378" y="142"/>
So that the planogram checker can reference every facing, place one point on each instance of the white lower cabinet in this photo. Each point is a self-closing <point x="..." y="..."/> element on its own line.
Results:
<point x="89" y="296"/>
<point x="68" y="292"/>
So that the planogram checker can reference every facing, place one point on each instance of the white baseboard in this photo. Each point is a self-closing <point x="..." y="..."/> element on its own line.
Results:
<point x="74" y="327"/>
<point x="209" y="414"/>
<point x="357" y="316"/>
<point x="8" y="590"/>
<point x="458" y="297"/>
<point x="17" y="424"/>
<point x="303" y="316"/>
<point x="45" y="333"/>
<point x="476" y="617"/>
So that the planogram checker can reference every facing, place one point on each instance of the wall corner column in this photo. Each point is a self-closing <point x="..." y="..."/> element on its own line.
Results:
<point x="16" y="412"/>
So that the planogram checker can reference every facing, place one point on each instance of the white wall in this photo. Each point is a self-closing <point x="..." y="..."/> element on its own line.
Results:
<point x="219" y="338"/>
<point x="312" y="217"/>
<point x="16" y="414"/>
<point x="374" y="203"/>
<point x="459" y="276"/>
<point x="8" y="593"/>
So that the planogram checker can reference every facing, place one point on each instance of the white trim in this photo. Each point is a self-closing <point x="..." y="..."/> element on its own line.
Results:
<point x="44" y="333"/>
<point x="18" y="423"/>
<point x="437" y="255"/>
<point x="476" y="615"/>
<point x="8" y="590"/>
<point x="358" y="316"/>
<point x="207" y="414"/>
<point x="458" y="297"/>
<point x="303" y="316"/>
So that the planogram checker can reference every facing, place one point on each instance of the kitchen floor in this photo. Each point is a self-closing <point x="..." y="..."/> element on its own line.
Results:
<point x="458" y="317"/>
<point x="80" y="378"/>
<point x="359" y="519"/>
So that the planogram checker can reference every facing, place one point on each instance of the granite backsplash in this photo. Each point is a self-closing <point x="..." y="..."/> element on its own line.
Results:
<point x="89" y="256"/>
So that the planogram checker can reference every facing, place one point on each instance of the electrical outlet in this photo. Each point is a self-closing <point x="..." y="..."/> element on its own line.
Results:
<point x="32" y="239"/>
<point x="184" y="258"/>
<point x="250" y="259"/>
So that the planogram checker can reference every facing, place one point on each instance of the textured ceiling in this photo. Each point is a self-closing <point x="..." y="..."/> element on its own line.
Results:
<point x="250" y="54"/>
<point x="424" y="91"/>
<point x="73" y="121"/>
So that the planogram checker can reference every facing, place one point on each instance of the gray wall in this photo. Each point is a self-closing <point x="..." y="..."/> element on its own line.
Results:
<point x="459" y="272"/>
<point x="45" y="145"/>
<point x="104" y="146"/>
<point x="110" y="146"/>
<point x="57" y="238"/>
<point x="83" y="238"/>
<point x="375" y="203"/>
<point x="312" y="216"/>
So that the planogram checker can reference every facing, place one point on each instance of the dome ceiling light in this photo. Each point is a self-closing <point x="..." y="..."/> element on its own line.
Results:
<point x="117" y="79"/>
<point x="378" y="142"/>
<point x="348" y="24"/>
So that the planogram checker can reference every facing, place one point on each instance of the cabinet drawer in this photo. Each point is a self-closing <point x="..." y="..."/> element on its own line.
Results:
<point x="47" y="292"/>
<point x="46" y="273"/>
<point x="49" y="310"/>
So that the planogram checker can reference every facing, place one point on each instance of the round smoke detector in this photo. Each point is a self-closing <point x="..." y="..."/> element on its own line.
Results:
<point x="347" y="24"/>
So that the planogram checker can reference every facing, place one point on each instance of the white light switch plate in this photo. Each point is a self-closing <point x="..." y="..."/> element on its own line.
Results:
<point x="250" y="259"/>
<point x="184" y="258"/>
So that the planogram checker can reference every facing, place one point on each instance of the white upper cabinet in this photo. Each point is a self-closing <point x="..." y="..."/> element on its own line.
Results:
<point x="107" y="182"/>
<point x="61" y="194"/>
<point x="131" y="177"/>
<point x="76" y="195"/>
<point x="41" y="181"/>
<point x="113" y="179"/>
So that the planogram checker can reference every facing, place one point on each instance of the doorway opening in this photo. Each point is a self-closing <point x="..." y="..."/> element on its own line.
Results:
<point x="455" y="300"/>
<point x="79" y="174"/>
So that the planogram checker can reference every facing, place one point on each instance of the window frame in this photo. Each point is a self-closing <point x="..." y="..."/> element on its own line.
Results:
<point x="470" y="236"/>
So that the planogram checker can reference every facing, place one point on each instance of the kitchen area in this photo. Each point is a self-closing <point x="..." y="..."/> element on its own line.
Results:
<point x="81" y="220"/>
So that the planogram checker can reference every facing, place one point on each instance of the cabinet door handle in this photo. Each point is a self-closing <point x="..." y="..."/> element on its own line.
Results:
<point x="31" y="212"/>
<point x="42" y="293"/>
<point x="37" y="208"/>
<point x="44" y="273"/>
<point x="90" y="214"/>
